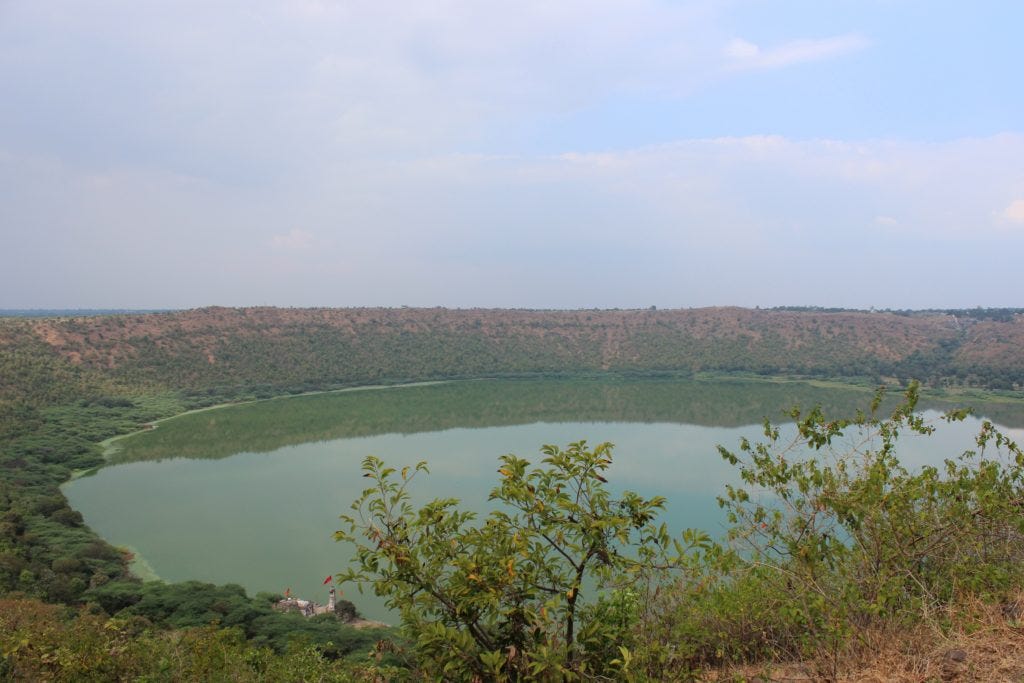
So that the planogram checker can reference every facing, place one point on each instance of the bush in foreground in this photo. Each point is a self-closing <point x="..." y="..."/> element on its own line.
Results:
<point x="40" y="642"/>
<point x="826" y="545"/>
<point x="502" y="599"/>
<point x="825" y="550"/>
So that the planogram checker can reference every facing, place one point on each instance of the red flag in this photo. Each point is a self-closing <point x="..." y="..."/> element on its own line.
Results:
<point x="330" y="577"/>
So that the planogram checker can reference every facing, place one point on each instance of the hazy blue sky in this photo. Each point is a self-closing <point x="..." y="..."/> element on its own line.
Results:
<point x="553" y="153"/>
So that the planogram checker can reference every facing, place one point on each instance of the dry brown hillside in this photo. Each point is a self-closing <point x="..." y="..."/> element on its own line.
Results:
<point x="320" y="346"/>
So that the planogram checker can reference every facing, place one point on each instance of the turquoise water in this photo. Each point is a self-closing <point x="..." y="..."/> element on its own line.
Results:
<point x="258" y="498"/>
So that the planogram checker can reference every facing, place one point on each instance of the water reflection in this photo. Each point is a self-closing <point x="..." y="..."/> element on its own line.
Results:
<point x="251" y="494"/>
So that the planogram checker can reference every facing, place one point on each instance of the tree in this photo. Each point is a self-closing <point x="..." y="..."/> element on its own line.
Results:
<point x="832" y="537"/>
<point x="504" y="599"/>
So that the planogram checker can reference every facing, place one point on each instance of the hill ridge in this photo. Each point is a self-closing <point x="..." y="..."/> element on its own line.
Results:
<point x="306" y="348"/>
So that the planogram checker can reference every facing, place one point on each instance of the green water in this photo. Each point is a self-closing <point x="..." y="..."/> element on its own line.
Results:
<point x="251" y="494"/>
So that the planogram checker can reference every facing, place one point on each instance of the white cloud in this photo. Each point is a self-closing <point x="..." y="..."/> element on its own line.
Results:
<point x="268" y="83"/>
<point x="294" y="240"/>
<point x="737" y="48"/>
<point x="747" y="55"/>
<point x="692" y="222"/>
<point x="759" y="184"/>
<point x="1015" y="211"/>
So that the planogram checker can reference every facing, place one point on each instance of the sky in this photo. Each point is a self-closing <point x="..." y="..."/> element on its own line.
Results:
<point x="537" y="154"/>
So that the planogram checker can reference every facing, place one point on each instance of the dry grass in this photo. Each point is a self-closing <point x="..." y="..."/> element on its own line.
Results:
<point x="985" y="643"/>
<point x="109" y="341"/>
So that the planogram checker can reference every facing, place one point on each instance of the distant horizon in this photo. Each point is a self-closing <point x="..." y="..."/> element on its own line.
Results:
<point x="85" y="312"/>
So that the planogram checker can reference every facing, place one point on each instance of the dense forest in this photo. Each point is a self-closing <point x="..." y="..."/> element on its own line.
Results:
<point x="67" y="383"/>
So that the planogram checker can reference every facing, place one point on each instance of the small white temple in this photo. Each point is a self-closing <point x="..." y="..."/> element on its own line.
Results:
<point x="307" y="608"/>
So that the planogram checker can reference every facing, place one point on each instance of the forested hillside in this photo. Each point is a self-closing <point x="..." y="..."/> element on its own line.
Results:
<point x="67" y="383"/>
<point x="219" y="348"/>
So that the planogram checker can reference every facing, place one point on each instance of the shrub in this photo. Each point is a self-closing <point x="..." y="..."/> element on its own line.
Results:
<point x="823" y="547"/>
<point x="503" y="599"/>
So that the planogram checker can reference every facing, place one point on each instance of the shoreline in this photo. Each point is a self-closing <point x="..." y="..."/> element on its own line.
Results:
<point x="108" y="445"/>
<point x="139" y="567"/>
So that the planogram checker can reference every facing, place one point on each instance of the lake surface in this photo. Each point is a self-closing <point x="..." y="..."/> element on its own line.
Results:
<point x="251" y="494"/>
